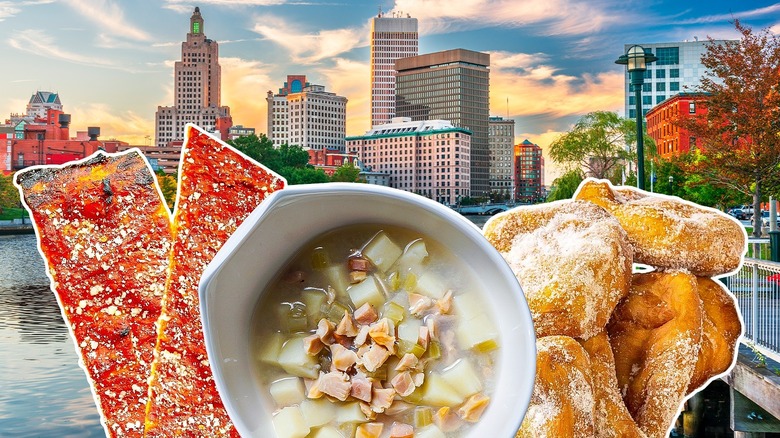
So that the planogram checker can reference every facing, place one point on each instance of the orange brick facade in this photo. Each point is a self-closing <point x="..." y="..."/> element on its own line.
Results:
<point x="670" y="139"/>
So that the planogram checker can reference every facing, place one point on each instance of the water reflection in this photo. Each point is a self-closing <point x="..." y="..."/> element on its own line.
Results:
<point x="43" y="391"/>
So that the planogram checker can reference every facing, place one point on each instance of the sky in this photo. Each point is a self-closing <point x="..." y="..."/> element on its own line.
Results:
<point x="552" y="61"/>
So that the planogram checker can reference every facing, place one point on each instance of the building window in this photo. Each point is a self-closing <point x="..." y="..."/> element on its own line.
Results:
<point x="659" y="99"/>
<point x="660" y="74"/>
<point x="647" y="100"/>
<point x="674" y="72"/>
<point x="692" y="107"/>
<point x="668" y="55"/>
<point x="660" y="86"/>
<point x="631" y="100"/>
<point x="646" y="88"/>
<point x="674" y="86"/>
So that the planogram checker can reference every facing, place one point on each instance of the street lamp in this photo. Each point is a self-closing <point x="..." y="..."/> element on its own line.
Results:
<point x="636" y="61"/>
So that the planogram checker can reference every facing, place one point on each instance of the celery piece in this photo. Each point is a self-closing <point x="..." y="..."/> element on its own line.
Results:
<point x="394" y="312"/>
<point x="293" y="317"/>
<point x="405" y="346"/>
<point x="382" y="251"/>
<point x="410" y="282"/>
<point x="319" y="258"/>
<point x="486" y="346"/>
<point x="394" y="281"/>
<point x="423" y="416"/>
<point x="378" y="374"/>
<point x="434" y="350"/>
<point x="336" y="312"/>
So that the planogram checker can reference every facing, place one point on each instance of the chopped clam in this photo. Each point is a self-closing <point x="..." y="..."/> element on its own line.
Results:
<point x="325" y="330"/>
<point x="419" y="304"/>
<point x="401" y="430"/>
<point x="342" y="358"/>
<point x="335" y="384"/>
<point x="369" y="430"/>
<point x="472" y="410"/>
<point x="375" y="357"/>
<point x="381" y="399"/>
<point x="313" y="345"/>
<point x="407" y="362"/>
<point x="403" y="383"/>
<point x="366" y="314"/>
<point x="361" y="389"/>
<point x="446" y="420"/>
<point x="347" y="326"/>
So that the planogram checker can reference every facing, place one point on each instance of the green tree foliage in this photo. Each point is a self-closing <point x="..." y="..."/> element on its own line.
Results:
<point x="346" y="173"/>
<point x="291" y="162"/>
<point x="598" y="144"/>
<point x="740" y="145"/>
<point x="565" y="185"/>
<point x="168" y="185"/>
<point x="9" y="195"/>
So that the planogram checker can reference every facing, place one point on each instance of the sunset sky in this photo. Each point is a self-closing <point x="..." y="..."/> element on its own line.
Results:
<point x="552" y="61"/>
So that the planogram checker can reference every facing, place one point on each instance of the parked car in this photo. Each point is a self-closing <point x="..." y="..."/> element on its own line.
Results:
<point x="765" y="219"/>
<point x="748" y="210"/>
<point x="738" y="213"/>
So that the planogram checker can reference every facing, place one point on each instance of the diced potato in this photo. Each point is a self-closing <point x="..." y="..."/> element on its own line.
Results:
<point x="288" y="423"/>
<point x="429" y="432"/>
<point x="337" y="277"/>
<point x="409" y="329"/>
<point x="382" y="251"/>
<point x="326" y="432"/>
<point x="437" y="392"/>
<point x="413" y="257"/>
<point x="350" y="413"/>
<point x="431" y="285"/>
<point x="391" y="363"/>
<point x="478" y="334"/>
<point x="463" y="378"/>
<point x="294" y="360"/>
<point x="287" y="391"/>
<point x="317" y="412"/>
<point x="315" y="301"/>
<point x="367" y="291"/>
<point x="468" y="306"/>
<point x="270" y="349"/>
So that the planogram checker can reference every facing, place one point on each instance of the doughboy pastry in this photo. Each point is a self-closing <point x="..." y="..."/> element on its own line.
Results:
<point x="670" y="233"/>
<point x="572" y="259"/>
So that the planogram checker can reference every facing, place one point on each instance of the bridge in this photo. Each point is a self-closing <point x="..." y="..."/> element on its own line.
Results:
<point x="484" y="209"/>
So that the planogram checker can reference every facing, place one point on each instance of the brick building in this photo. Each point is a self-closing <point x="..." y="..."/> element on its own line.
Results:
<point x="662" y="123"/>
<point x="529" y="172"/>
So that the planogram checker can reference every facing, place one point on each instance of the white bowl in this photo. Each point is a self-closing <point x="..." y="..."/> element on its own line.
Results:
<point x="272" y="234"/>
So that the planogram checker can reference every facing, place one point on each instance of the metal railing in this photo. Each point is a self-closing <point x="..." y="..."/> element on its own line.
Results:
<point x="757" y="289"/>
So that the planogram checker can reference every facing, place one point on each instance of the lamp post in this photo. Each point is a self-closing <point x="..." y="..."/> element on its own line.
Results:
<point x="636" y="61"/>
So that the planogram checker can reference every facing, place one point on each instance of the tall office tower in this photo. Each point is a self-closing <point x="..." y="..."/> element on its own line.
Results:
<point x="453" y="85"/>
<point x="196" y="89"/>
<point x="529" y="172"/>
<point x="392" y="38"/>
<point x="306" y="115"/>
<point x="501" y="141"/>
<point x="678" y="69"/>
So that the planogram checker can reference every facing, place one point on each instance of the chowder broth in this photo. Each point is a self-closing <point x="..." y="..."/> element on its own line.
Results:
<point x="370" y="330"/>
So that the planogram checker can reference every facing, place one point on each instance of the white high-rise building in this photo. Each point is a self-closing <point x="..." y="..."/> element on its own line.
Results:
<point x="197" y="82"/>
<point x="392" y="38"/>
<point x="678" y="70"/>
<point x="501" y="142"/>
<point x="306" y="115"/>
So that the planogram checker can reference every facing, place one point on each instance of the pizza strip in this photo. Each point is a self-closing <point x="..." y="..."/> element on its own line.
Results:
<point x="218" y="188"/>
<point x="104" y="231"/>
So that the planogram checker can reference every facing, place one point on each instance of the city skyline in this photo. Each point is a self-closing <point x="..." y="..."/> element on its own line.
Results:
<point x="111" y="62"/>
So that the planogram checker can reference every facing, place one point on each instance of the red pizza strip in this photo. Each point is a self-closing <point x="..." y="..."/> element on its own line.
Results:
<point x="218" y="188"/>
<point x="105" y="233"/>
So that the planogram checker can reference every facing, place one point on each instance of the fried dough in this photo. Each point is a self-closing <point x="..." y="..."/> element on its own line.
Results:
<point x="611" y="419"/>
<point x="572" y="259"/>
<point x="668" y="232"/>
<point x="562" y="400"/>
<point x="721" y="329"/>
<point x="655" y="333"/>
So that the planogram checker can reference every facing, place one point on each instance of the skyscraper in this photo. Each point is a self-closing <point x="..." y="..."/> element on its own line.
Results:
<point x="305" y="115"/>
<point x="678" y="69"/>
<point x="501" y="140"/>
<point x="453" y="85"/>
<point x="392" y="38"/>
<point x="529" y="172"/>
<point x="197" y="89"/>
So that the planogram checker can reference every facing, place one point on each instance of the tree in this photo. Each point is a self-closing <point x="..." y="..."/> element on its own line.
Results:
<point x="598" y="144"/>
<point x="291" y="162"/>
<point x="9" y="195"/>
<point x="565" y="185"/>
<point x="346" y="173"/>
<point x="168" y="185"/>
<point x="740" y="131"/>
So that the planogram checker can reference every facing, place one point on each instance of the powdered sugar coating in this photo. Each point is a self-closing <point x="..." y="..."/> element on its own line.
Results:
<point x="668" y="232"/>
<point x="655" y="334"/>
<point x="562" y="402"/>
<point x="572" y="259"/>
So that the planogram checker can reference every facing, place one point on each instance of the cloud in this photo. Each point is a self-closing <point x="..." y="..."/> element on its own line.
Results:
<point x="310" y="48"/>
<point x="242" y="78"/>
<point x="351" y="79"/>
<point x="39" y="43"/>
<point x="770" y="10"/>
<point x="110" y="17"/>
<point x="560" y="17"/>
<point x="10" y="9"/>
<point x="125" y="126"/>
